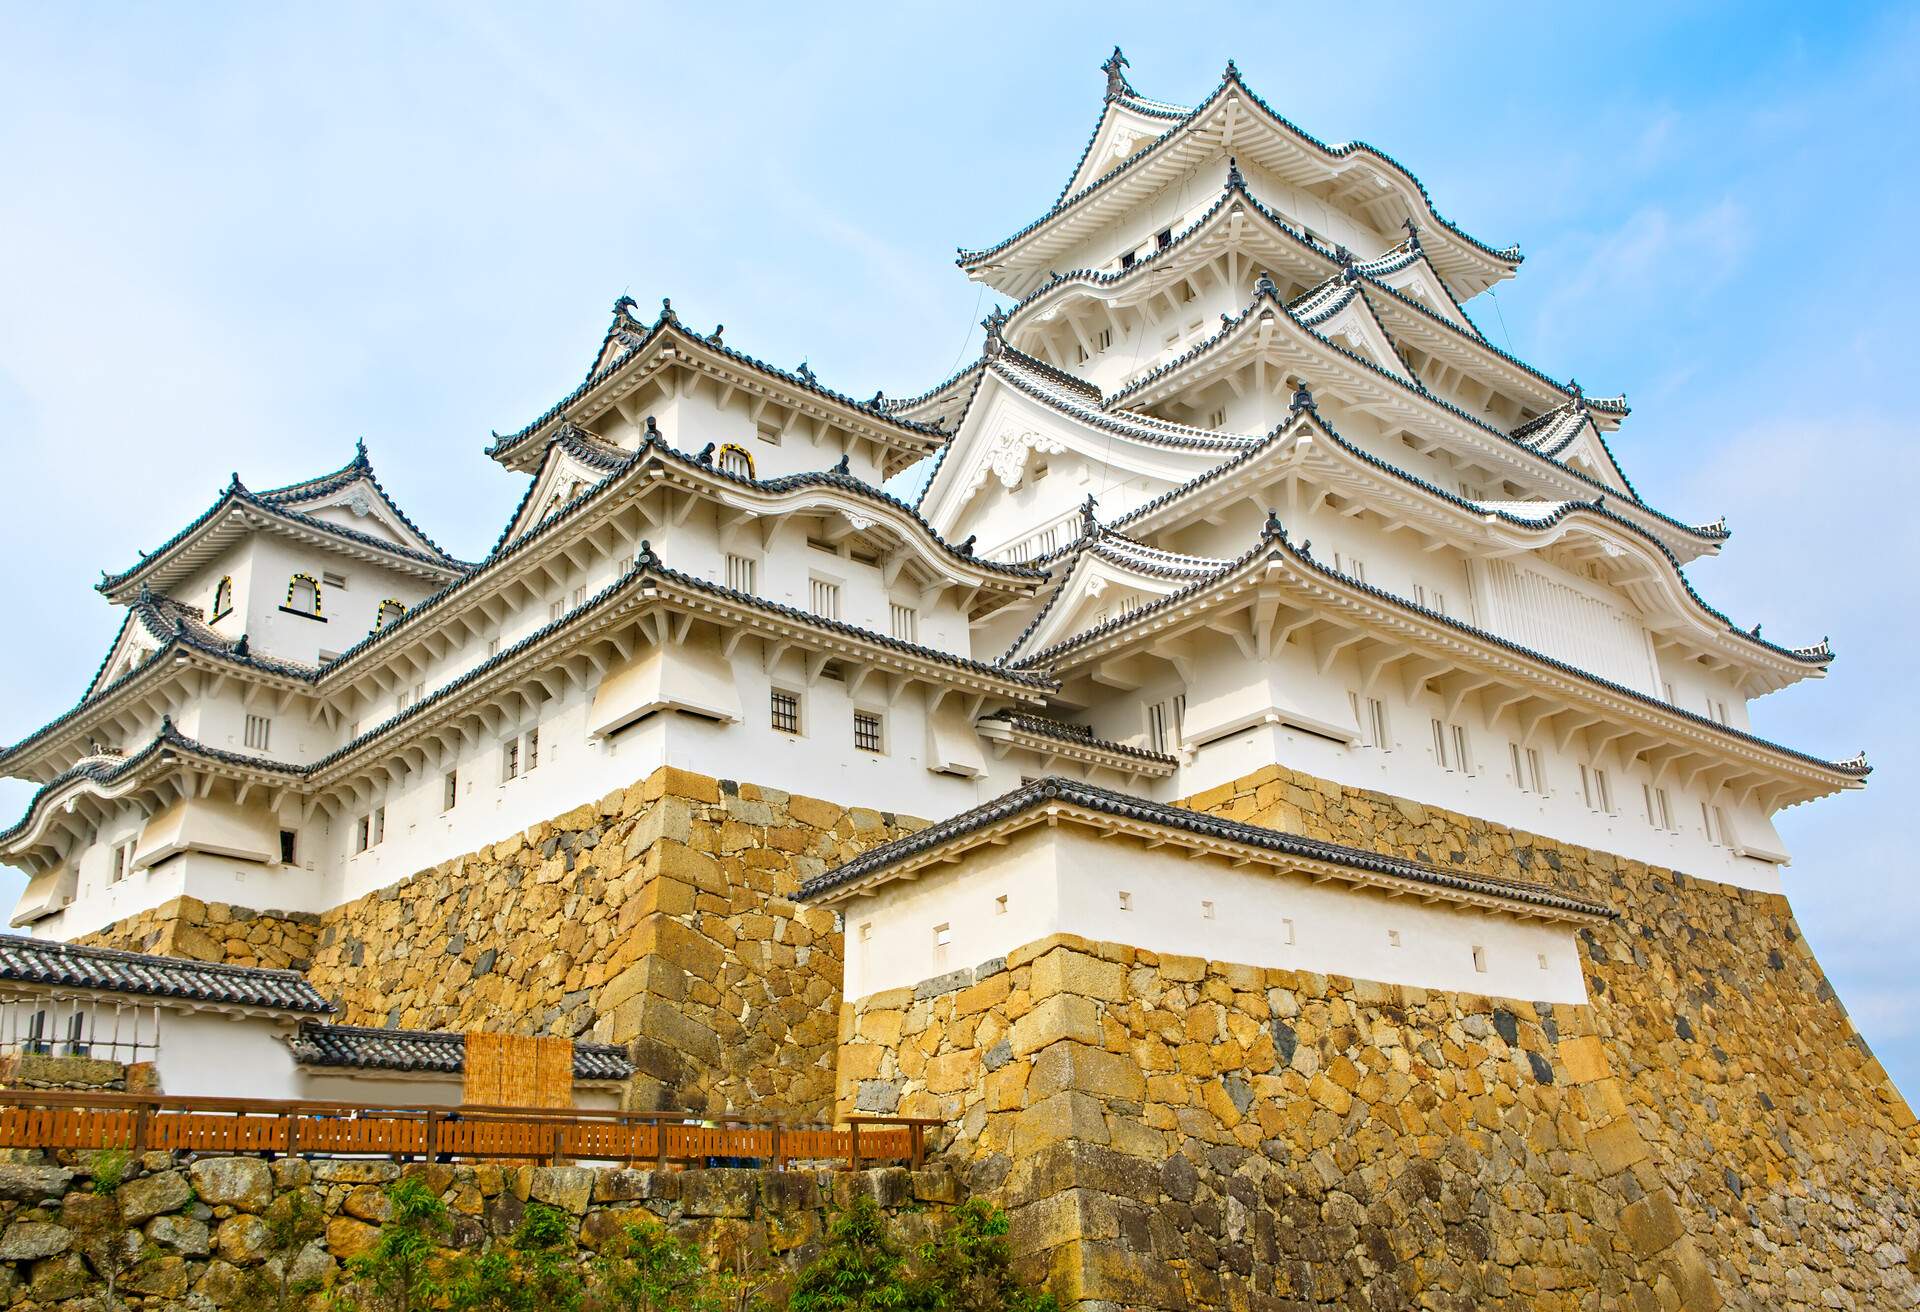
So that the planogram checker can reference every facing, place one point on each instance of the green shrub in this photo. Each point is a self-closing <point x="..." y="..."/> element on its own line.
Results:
<point x="645" y="1269"/>
<point x="861" y="1269"/>
<point x="969" y="1268"/>
<point x="399" y="1273"/>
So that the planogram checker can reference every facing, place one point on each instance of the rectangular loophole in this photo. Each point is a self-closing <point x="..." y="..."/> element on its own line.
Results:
<point x="1126" y="901"/>
<point x="1206" y="911"/>
<point x="1000" y="907"/>
<point x="1393" y="938"/>
<point x="1479" y="958"/>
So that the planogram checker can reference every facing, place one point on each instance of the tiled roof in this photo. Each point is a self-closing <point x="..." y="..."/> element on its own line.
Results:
<point x="1078" y="734"/>
<point x="67" y="965"/>
<point x="640" y="335"/>
<point x="1509" y="255"/>
<point x="360" y="467"/>
<point x="428" y="1051"/>
<point x="237" y="494"/>
<point x="1275" y="545"/>
<point x="106" y="767"/>
<point x="1124" y="806"/>
<point x="1266" y="298"/>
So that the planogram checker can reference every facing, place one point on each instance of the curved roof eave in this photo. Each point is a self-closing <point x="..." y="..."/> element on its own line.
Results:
<point x="1474" y="249"/>
<point x="1272" y="302"/>
<point x="505" y="446"/>
<point x="1274" y="545"/>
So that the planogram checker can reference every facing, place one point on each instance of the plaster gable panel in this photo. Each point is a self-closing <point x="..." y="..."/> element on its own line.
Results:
<point x="1355" y="328"/>
<point x="1418" y="281"/>
<point x="1586" y="454"/>
<point x="1004" y="439"/>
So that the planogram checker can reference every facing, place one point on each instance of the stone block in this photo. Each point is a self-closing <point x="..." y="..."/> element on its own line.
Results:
<point x="1585" y="1059"/>
<point x="243" y="1240"/>
<point x="1063" y="1016"/>
<point x="1065" y="1117"/>
<point x="1076" y="1066"/>
<point x="1065" y="971"/>
<point x="23" y="1241"/>
<point x="150" y="1195"/>
<point x="1616" y="1146"/>
<point x="21" y="1183"/>
<point x="569" y="1188"/>
<point x="242" y="1182"/>
<point x="719" y="1192"/>
<point x="182" y="1234"/>
<point x="347" y="1238"/>
<point x="1651" y="1224"/>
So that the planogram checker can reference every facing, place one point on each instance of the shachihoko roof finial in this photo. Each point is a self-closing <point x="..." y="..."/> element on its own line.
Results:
<point x="623" y="303"/>
<point x="966" y="548"/>
<point x="1302" y="398"/>
<point x="1413" y="231"/>
<point x="805" y="373"/>
<point x="666" y="309"/>
<point x="995" y="321"/>
<point x="1755" y="631"/>
<point x="844" y="465"/>
<point x="1117" y="85"/>
<point x="714" y="336"/>
<point x="879" y="401"/>
<point x="1089" y="525"/>
<point x="1233" y="72"/>
<point x="1233" y="173"/>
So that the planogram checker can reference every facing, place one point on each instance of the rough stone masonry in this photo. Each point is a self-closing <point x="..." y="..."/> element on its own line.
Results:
<point x="1174" y="1133"/>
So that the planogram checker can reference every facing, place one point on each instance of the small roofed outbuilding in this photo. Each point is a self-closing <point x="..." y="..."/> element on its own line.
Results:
<point x="1061" y="857"/>
<point x="102" y="1016"/>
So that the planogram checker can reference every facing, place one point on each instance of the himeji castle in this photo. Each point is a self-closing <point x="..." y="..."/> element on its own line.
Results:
<point x="1250" y="608"/>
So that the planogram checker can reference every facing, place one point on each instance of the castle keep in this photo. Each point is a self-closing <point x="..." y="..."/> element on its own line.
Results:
<point x="1271" y="788"/>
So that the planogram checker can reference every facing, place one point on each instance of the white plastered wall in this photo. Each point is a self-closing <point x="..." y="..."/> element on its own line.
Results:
<point x="1067" y="879"/>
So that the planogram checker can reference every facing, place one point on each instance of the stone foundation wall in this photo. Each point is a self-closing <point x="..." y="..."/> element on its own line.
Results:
<point x="1169" y="1132"/>
<point x="193" y="1233"/>
<point x="659" y="917"/>
<point x="216" y="931"/>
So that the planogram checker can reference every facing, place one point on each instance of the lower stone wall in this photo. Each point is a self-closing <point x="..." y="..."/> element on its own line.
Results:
<point x="659" y="917"/>
<point x="1795" y="1160"/>
<point x="1169" y="1132"/>
<point x="216" y="931"/>
<point x="194" y="1233"/>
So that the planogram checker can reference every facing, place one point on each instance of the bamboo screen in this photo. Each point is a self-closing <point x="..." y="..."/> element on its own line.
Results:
<point x="518" y="1070"/>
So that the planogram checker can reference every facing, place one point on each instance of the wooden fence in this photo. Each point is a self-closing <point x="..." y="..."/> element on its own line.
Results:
<point x="142" y="1123"/>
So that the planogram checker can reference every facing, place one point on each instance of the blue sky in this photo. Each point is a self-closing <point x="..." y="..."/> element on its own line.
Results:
<point x="240" y="237"/>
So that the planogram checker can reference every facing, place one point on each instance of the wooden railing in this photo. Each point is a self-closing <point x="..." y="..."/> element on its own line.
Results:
<point x="143" y="1122"/>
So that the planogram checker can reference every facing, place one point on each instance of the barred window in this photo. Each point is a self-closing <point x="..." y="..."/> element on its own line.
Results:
<point x="825" y="596"/>
<point x="533" y="747"/>
<point x="258" y="729"/>
<point x="740" y="573"/>
<point x="786" y="711"/>
<point x="510" y="759"/>
<point x="867" y="731"/>
<point x="736" y="460"/>
<point x="906" y="623"/>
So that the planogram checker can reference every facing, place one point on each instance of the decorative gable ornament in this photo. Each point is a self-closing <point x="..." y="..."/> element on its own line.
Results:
<point x="1006" y="458"/>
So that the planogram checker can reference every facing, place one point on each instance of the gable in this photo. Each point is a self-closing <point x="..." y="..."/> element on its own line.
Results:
<point x="1354" y="328"/>
<point x="360" y="506"/>
<point x="1419" y="282"/>
<point x="985" y="485"/>
<point x="562" y="478"/>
